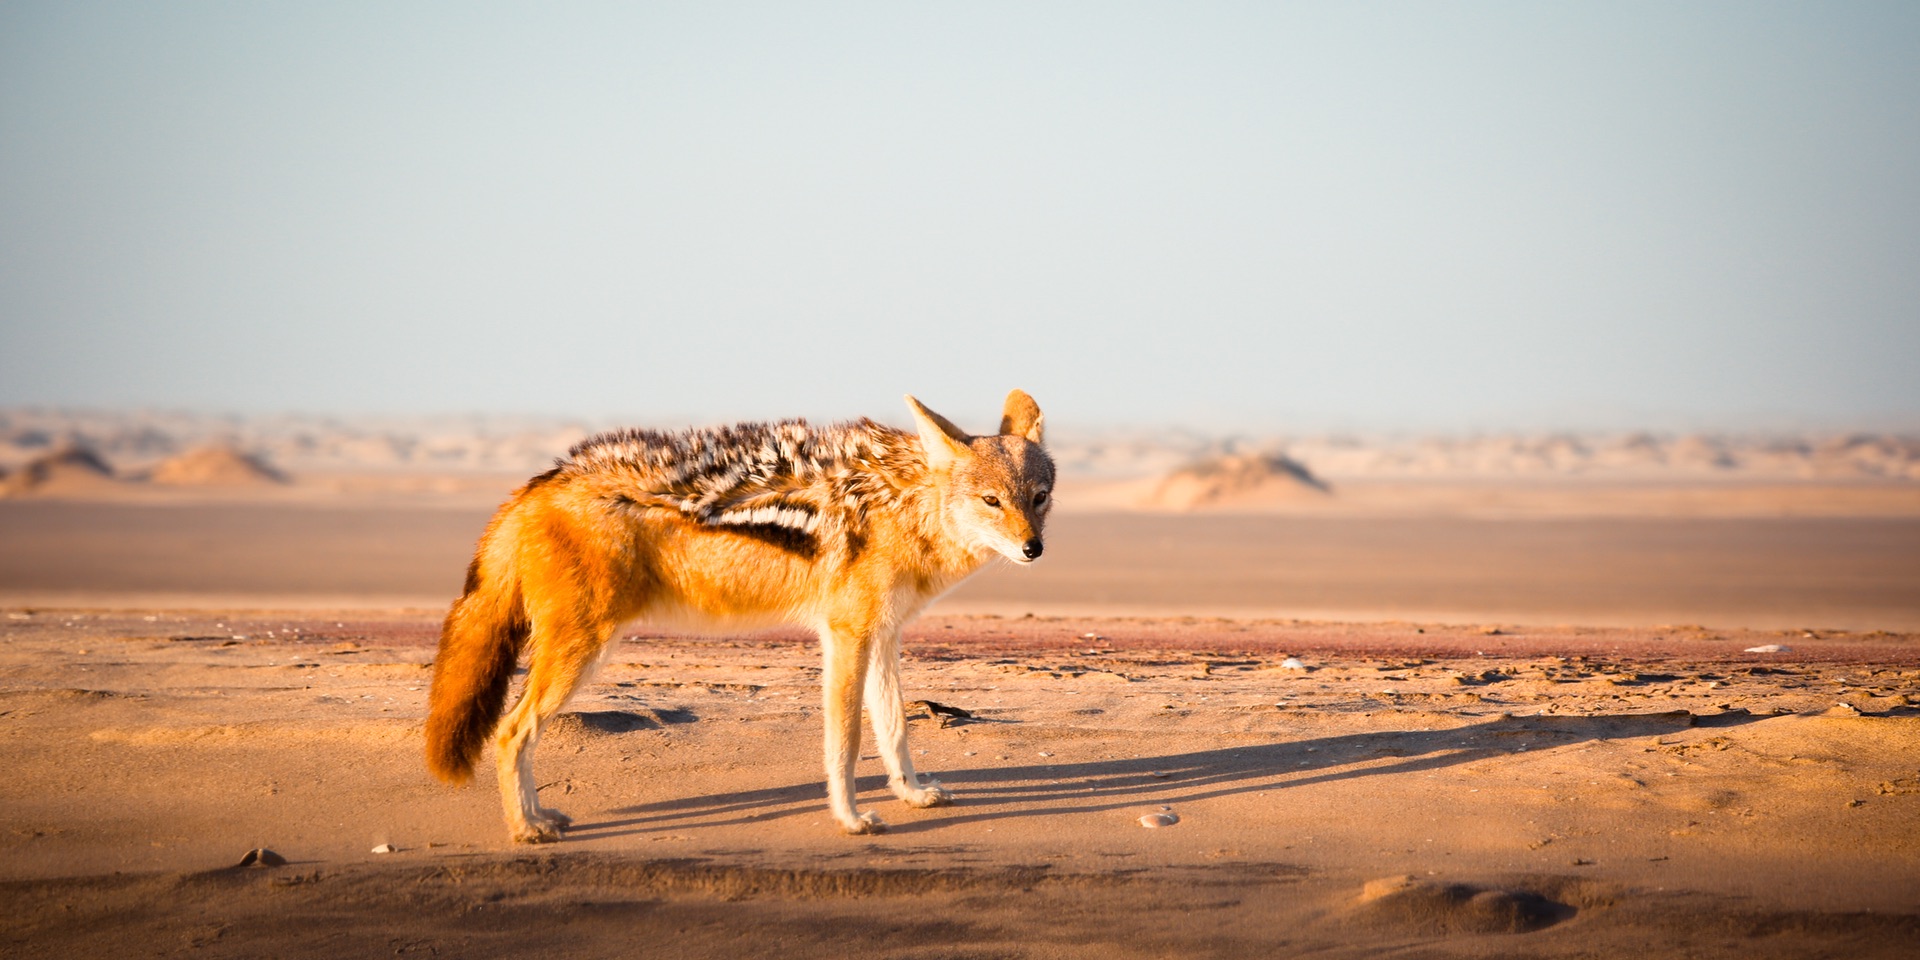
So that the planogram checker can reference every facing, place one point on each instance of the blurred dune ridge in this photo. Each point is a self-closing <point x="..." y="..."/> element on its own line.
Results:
<point x="141" y="441"/>
<point x="133" y="441"/>
<point x="70" y="468"/>
<point x="1232" y="480"/>
<point x="215" y="465"/>
<point x="1626" y="456"/>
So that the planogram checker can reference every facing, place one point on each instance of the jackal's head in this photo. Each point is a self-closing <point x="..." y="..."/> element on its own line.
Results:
<point x="996" y="490"/>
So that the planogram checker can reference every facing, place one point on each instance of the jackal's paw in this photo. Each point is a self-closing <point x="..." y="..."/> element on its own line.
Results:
<point x="929" y="794"/>
<point x="537" y="832"/>
<point x="544" y="826"/>
<point x="864" y="823"/>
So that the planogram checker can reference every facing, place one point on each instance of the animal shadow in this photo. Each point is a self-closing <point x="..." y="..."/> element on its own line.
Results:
<point x="1087" y="787"/>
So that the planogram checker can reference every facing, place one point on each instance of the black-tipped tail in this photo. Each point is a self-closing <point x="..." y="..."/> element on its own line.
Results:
<point x="479" y="644"/>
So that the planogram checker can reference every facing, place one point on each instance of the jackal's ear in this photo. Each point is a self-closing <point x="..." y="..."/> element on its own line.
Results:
<point x="1022" y="417"/>
<point x="943" y="441"/>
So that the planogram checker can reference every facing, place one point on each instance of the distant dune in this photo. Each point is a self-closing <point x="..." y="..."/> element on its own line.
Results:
<point x="1623" y="456"/>
<point x="69" y="469"/>
<point x="1172" y="470"/>
<point x="215" y="465"/>
<point x="1234" y="480"/>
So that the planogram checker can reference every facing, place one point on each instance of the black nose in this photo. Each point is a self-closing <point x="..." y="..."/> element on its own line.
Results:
<point x="1031" y="548"/>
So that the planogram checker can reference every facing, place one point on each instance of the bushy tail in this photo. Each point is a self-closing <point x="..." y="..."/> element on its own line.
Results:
<point x="479" y="644"/>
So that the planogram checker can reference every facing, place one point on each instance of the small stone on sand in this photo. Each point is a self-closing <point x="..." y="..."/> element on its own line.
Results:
<point x="1769" y="648"/>
<point x="262" y="857"/>
<point x="386" y="848"/>
<point x="1152" y="820"/>
<point x="1292" y="663"/>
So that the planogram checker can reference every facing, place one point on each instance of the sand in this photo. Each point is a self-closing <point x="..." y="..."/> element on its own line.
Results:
<point x="1856" y="573"/>
<point x="1524" y="722"/>
<point x="1417" y="790"/>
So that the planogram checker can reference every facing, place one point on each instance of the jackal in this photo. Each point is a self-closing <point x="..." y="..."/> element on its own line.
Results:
<point x="849" y="530"/>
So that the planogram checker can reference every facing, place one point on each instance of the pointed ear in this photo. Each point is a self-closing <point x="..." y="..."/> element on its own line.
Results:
<point x="943" y="442"/>
<point x="1022" y="417"/>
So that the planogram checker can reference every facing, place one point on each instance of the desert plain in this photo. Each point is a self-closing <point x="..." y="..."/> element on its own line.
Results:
<point x="1414" y="717"/>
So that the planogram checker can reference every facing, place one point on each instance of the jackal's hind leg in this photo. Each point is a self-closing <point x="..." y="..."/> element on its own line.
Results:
<point x="561" y="661"/>
<point x="887" y="709"/>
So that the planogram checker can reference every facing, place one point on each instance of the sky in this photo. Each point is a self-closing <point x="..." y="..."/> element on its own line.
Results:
<point x="1271" y="216"/>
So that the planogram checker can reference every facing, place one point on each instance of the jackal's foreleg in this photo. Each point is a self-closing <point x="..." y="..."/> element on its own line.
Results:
<point x="843" y="677"/>
<point x="886" y="707"/>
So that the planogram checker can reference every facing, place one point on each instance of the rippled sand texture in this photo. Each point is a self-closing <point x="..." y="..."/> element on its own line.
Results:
<point x="1407" y="789"/>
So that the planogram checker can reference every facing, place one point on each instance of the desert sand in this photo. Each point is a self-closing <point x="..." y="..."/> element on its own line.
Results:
<point x="1845" y="572"/>
<point x="1405" y="789"/>
<point x="1388" y="715"/>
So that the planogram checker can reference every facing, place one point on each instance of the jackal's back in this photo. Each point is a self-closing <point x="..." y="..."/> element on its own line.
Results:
<point x="787" y="474"/>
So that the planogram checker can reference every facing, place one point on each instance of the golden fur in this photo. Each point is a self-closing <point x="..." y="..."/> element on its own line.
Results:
<point x="849" y="530"/>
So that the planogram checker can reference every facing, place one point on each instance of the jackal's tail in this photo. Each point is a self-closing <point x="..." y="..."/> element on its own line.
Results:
<point x="478" y="646"/>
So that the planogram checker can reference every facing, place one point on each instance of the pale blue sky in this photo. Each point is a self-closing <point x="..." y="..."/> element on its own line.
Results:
<point x="1262" y="215"/>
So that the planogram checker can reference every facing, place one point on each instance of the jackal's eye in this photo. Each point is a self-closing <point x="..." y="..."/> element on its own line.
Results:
<point x="990" y="500"/>
<point x="1040" y="498"/>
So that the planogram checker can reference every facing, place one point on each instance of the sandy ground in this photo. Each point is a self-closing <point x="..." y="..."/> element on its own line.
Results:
<point x="1419" y="790"/>
<point x="184" y="678"/>
<point x="1846" y="572"/>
